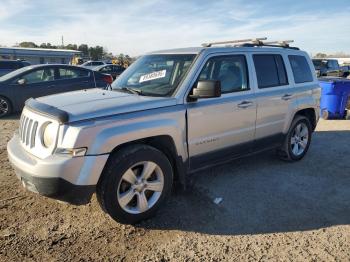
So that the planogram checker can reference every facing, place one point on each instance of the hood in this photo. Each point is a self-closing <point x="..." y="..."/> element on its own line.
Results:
<point x="92" y="103"/>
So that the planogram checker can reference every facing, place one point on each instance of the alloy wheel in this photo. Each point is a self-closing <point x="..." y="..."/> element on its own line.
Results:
<point x="299" y="139"/>
<point x="140" y="187"/>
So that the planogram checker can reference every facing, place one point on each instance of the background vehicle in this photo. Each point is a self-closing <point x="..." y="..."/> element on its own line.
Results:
<point x="346" y="70"/>
<point x="41" y="80"/>
<point x="7" y="66"/>
<point x="92" y="64"/>
<point x="76" y="60"/>
<point x="113" y="70"/>
<point x="327" y="67"/>
<point x="171" y="113"/>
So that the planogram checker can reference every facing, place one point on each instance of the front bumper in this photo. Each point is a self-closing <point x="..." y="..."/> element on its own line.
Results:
<point x="60" y="177"/>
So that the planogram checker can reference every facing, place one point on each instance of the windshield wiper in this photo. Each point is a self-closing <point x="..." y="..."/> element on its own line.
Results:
<point x="132" y="90"/>
<point x="136" y="91"/>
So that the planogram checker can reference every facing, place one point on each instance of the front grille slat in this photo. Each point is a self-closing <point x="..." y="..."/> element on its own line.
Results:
<point x="33" y="135"/>
<point x="21" y="127"/>
<point x="24" y="129"/>
<point x="29" y="131"/>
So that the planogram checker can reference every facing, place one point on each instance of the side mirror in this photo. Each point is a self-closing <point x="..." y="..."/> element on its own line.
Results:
<point x="206" y="89"/>
<point x="22" y="81"/>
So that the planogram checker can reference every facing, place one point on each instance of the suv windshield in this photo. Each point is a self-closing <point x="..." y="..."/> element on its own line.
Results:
<point x="155" y="75"/>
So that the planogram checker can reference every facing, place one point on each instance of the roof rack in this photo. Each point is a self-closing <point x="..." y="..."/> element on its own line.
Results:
<point x="282" y="44"/>
<point x="252" y="40"/>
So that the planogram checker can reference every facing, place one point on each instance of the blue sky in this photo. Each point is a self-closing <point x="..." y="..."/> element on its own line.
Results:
<point x="135" y="27"/>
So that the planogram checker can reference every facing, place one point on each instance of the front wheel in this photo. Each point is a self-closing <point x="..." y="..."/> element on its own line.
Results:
<point x="5" y="107"/>
<point x="297" y="141"/>
<point x="135" y="183"/>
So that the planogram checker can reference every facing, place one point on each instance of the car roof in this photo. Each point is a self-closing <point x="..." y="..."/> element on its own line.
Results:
<point x="31" y="67"/>
<point x="57" y="65"/>
<point x="12" y="61"/>
<point x="224" y="49"/>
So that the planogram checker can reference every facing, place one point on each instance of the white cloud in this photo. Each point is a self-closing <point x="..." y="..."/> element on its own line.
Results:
<point x="135" y="27"/>
<point x="10" y="8"/>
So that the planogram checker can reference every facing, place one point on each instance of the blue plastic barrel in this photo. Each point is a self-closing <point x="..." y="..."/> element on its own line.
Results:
<point x="334" y="97"/>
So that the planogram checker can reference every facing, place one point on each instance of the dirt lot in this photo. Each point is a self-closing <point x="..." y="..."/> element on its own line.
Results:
<point x="271" y="210"/>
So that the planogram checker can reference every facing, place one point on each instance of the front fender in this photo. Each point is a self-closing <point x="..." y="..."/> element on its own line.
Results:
<point x="112" y="137"/>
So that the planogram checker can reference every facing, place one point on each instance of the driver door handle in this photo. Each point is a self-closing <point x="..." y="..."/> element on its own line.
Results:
<point x="287" y="97"/>
<point x="245" y="104"/>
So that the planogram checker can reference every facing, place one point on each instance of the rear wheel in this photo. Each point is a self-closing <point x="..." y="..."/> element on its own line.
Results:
<point x="135" y="183"/>
<point x="297" y="141"/>
<point x="5" y="107"/>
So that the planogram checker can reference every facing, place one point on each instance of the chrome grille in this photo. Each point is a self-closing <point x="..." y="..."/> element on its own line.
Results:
<point x="27" y="131"/>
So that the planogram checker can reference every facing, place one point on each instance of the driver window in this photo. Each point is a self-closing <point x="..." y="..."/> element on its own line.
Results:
<point x="42" y="75"/>
<point x="231" y="71"/>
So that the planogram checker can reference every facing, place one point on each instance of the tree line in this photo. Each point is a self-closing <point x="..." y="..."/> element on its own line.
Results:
<point x="90" y="52"/>
<point x="337" y="54"/>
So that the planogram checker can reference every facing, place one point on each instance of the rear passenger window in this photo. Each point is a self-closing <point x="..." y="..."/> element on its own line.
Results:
<point x="67" y="73"/>
<point x="301" y="69"/>
<point x="270" y="70"/>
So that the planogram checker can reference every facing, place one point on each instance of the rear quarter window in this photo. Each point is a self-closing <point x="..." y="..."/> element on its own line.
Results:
<point x="301" y="69"/>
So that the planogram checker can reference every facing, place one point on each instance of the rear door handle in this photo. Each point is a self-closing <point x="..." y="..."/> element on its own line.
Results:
<point x="245" y="104"/>
<point x="287" y="97"/>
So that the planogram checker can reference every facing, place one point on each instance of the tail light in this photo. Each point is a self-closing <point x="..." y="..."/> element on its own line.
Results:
<point x="108" y="79"/>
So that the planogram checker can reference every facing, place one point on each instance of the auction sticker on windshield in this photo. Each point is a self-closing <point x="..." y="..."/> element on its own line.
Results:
<point x="152" y="76"/>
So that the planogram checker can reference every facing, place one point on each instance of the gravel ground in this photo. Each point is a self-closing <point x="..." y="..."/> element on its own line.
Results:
<point x="270" y="210"/>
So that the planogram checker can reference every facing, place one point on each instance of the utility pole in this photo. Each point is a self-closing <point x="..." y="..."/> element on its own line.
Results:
<point x="62" y="42"/>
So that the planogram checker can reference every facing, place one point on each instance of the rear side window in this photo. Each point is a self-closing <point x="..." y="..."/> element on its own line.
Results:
<point x="106" y="69"/>
<point x="68" y="73"/>
<point x="96" y="63"/>
<point x="270" y="70"/>
<point x="301" y="69"/>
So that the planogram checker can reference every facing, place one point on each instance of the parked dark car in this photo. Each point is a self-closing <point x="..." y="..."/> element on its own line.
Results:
<point x="346" y="70"/>
<point x="42" y="80"/>
<point x="7" y="66"/>
<point x="113" y="70"/>
<point x="327" y="67"/>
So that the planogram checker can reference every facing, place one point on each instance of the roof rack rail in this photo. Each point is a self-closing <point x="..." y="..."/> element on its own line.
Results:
<point x="282" y="44"/>
<point x="252" y="40"/>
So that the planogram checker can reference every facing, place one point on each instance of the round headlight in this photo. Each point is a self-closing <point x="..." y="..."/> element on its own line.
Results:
<point x="48" y="135"/>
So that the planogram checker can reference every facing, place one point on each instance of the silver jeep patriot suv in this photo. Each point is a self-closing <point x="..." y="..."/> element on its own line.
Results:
<point x="169" y="114"/>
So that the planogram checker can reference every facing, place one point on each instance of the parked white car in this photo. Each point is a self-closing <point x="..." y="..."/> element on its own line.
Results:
<point x="92" y="64"/>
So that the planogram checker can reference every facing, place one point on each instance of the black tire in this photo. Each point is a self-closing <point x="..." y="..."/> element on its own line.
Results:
<point x="5" y="107"/>
<point x="109" y="184"/>
<point x="285" y="152"/>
